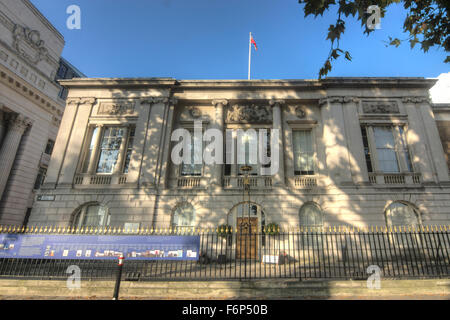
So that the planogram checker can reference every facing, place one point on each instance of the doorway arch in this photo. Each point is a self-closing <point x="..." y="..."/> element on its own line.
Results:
<point x="247" y="219"/>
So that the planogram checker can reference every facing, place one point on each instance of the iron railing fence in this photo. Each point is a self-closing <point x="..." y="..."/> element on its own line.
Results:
<point x="303" y="253"/>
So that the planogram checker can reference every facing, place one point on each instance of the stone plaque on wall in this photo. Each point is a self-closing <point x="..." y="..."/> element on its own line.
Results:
<point x="249" y="114"/>
<point x="380" y="107"/>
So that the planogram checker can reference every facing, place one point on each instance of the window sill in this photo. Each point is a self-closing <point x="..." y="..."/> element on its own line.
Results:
<point x="91" y="180"/>
<point x="395" y="179"/>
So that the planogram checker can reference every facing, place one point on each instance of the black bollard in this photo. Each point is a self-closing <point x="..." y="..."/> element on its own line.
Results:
<point x="119" y="276"/>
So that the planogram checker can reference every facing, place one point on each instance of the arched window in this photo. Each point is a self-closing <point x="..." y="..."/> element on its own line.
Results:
<point x="92" y="215"/>
<point x="402" y="214"/>
<point x="184" y="216"/>
<point x="311" y="215"/>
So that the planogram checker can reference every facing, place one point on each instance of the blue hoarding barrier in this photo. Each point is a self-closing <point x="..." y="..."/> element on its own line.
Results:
<point x="99" y="247"/>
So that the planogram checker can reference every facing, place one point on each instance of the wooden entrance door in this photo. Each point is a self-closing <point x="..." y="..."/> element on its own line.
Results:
<point x="247" y="238"/>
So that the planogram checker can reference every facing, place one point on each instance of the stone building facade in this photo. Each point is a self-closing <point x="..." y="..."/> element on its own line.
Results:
<point x="30" y="108"/>
<point x="354" y="151"/>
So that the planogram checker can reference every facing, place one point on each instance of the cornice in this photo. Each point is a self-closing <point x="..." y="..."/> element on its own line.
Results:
<point x="34" y="95"/>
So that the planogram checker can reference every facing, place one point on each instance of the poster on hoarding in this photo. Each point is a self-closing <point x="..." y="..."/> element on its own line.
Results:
<point x="99" y="247"/>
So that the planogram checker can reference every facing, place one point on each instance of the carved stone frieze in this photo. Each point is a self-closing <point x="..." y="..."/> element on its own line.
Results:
<point x="380" y="107"/>
<point x="28" y="44"/>
<point x="116" y="108"/>
<point x="249" y="114"/>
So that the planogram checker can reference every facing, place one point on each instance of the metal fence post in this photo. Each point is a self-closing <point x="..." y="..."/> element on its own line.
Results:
<point x="119" y="276"/>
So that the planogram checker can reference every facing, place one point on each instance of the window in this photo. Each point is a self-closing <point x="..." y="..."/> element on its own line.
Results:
<point x="385" y="144"/>
<point x="92" y="215"/>
<point x="49" y="147"/>
<point x="401" y="214"/>
<point x="303" y="152"/>
<point x="129" y="150"/>
<point x="311" y="216"/>
<point x="249" y="144"/>
<point x="90" y="149"/>
<point x="109" y="149"/>
<point x="193" y="169"/>
<point x="386" y="149"/>
<point x="40" y="178"/>
<point x="61" y="74"/>
<point x="367" y="153"/>
<point x="183" y="216"/>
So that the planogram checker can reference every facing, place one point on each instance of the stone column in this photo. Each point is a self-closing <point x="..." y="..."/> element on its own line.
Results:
<point x="16" y="127"/>
<point x="277" y="124"/>
<point x="218" y="124"/>
<point x="92" y="166"/>
<point x="434" y="140"/>
<point x="416" y="139"/>
<point x="75" y="143"/>
<point x="334" y="139"/>
<point x="167" y="142"/>
<point x="354" y="140"/>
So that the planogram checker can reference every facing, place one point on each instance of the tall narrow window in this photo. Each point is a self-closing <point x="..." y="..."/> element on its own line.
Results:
<point x="109" y="149"/>
<point x="303" y="152"/>
<point x="49" y="147"/>
<point x="249" y="142"/>
<point x="129" y="150"/>
<point x="403" y="147"/>
<point x="385" y="144"/>
<point x="40" y="178"/>
<point x="193" y="169"/>
<point x="367" y="153"/>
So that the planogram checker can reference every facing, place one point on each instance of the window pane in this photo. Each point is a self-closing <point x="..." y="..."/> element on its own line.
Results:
<point x="88" y="156"/>
<point x="310" y="215"/>
<point x="303" y="153"/>
<point x="92" y="216"/>
<point x="129" y="150"/>
<point x="405" y="150"/>
<point x="385" y="144"/>
<point x="399" y="214"/>
<point x="109" y="149"/>
<point x="192" y="169"/>
<point x="184" y="216"/>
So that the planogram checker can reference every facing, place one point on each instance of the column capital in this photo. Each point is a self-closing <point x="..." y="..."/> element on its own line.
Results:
<point x="332" y="100"/>
<point x="349" y="99"/>
<point x="276" y="102"/>
<point x="18" y="122"/>
<point x="415" y="99"/>
<point x="223" y="102"/>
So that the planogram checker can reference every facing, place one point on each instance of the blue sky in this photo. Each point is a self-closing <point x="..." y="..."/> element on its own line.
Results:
<point x="208" y="39"/>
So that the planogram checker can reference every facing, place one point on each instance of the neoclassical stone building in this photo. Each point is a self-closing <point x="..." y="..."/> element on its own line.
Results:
<point x="354" y="151"/>
<point x="31" y="107"/>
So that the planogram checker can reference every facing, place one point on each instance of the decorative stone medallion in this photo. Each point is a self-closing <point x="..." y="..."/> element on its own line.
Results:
<point x="300" y="112"/>
<point x="28" y="44"/>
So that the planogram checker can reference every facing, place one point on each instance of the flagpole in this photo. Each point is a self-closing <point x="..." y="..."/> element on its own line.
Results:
<point x="249" y="54"/>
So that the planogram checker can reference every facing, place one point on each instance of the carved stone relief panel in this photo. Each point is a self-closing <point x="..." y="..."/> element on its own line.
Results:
<point x="378" y="107"/>
<point x="28" y="44"/>
<point x="116" y="108"/>
<point x="249" y="114"/>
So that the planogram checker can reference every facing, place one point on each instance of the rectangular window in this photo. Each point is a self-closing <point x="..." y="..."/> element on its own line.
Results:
<point x="109" y="149"/>
<point x="303" y="152"/>
<point x="403" y="147"/>
<point x="129" y="150"/>
<point x="367" y="153"/>
<point x="193" y="169"/>
<point x="385" y="144"/>
<point x="49" y="147"/>
<point x="40" y="178"/>
<point x="247" y="143"/>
